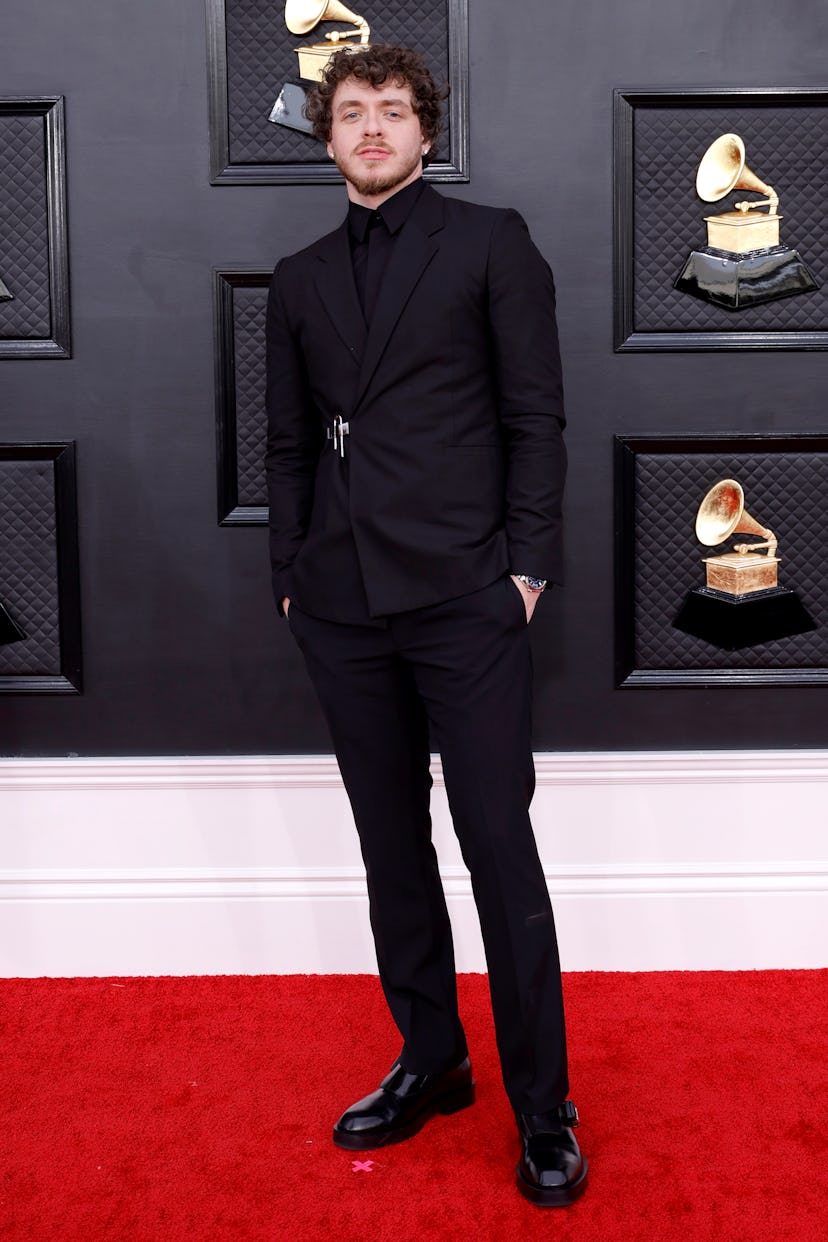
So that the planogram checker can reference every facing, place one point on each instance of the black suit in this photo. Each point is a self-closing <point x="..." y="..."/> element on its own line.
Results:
<point x="454" y="464"/>
<point x="396" y="559"/>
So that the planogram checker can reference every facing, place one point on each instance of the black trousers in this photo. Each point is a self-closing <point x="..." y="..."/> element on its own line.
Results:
<point x="462" y="669"/>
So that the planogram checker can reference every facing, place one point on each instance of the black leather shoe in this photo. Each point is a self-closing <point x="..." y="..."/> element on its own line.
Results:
<point x="402" y="1106"/>
<point x="551" y="1172"/>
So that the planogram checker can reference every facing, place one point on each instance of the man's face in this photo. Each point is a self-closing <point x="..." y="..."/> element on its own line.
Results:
<point x="376" y="138"/>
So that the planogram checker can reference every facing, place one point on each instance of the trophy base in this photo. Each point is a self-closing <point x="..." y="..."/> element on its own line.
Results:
<point x="314" y="58"/>
<point x="735" y="281"/>
<point x="733" y="622"/>
<point x="289" y="108"/>
<point x="741" y="574"/>
<point x="10" y="631"/>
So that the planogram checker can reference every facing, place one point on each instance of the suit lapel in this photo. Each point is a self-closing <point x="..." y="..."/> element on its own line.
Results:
<point x="414" y="250"/>
<point x="334" y="279"/>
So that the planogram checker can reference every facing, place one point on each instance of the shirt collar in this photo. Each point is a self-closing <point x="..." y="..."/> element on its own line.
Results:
<point x="394" y="211"/>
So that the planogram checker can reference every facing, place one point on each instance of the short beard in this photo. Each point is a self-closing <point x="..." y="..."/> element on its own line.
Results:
<point x="369" y="185"/>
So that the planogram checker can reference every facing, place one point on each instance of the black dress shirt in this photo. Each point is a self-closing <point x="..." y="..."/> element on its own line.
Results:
<point x="372" y="232"/>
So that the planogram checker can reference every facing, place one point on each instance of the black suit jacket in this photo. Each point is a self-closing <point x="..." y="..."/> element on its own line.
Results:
<point x="454" y="465"/>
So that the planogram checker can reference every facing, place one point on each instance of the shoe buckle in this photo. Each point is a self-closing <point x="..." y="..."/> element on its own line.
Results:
<point x="569" y="1114"/>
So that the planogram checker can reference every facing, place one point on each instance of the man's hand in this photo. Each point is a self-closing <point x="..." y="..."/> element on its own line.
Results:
<point x="530" y="598"/>
<point x="286" y="605"/>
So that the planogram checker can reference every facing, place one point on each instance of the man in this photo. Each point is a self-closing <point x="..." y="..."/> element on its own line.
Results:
<point x="415" y="470"/>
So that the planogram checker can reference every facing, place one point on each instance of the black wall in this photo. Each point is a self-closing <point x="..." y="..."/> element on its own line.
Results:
<point x="183" y="652"/>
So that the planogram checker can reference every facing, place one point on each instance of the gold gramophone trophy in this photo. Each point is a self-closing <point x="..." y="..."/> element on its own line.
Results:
<point x="302" y="16"/>
<point x="742" y="603"/>
<point x="6" y="294"/>
<point x="10" y="631"/>
<point x="743" y="263"/>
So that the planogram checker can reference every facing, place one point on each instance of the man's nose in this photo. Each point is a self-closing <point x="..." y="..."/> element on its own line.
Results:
<point x="373" y="124"/>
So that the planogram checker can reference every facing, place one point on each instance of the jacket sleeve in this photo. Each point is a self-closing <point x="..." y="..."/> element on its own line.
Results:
<point x="293" y="440"/>
<point x="527" y="363"/>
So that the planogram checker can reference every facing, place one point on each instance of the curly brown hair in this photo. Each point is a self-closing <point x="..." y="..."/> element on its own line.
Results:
<point x="376" y="64"/>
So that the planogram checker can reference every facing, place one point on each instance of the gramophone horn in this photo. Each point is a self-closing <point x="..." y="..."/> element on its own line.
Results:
<point x="302" y="15"/>
<point x="722" y="513"/>
<point x="723" y="169"/>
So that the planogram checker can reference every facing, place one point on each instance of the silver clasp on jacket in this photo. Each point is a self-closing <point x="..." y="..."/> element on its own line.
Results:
<point x="337" y="433"/>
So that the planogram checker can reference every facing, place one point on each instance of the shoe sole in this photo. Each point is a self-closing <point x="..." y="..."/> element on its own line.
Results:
<point x="552" y="1196"/>
<point x="453" y="1102"/>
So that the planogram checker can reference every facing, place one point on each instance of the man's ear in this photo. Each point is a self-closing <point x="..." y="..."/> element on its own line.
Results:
<point x="329" y="149"/>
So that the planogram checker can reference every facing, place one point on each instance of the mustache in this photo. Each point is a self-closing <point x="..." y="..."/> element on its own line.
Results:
<point x="373" y="146"/>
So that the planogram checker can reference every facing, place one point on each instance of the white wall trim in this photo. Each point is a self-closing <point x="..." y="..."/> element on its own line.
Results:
<point x="331" y="883"/>
<point x="320" y="771"/>
<point x="200" y="865"/>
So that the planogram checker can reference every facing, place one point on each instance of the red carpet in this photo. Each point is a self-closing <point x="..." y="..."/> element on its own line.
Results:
<point x="200" y="1109"/>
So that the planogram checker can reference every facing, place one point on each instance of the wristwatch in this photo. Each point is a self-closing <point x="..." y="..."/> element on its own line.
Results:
<point x="534" y="584"/>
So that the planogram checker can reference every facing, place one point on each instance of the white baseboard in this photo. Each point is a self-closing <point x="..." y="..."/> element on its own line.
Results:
<point x="250" y="865"/>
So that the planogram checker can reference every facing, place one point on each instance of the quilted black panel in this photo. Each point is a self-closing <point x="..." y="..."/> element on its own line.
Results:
<point x="261" y="58"/>
<point x="249" y="306"/>
<point x="28" y="566"/>
<point x="785" y="491"/>
<point x="785" y="147"/>
<point x="24" y="239"/>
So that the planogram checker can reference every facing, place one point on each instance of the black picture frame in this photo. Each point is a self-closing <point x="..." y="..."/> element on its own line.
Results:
<point x="67" y="677"/>
<point x="706" y="112"/>
<point x="668" y="583"/>
<point x="50" y="175"/>
<point x="227" y="169"/>
<point x="239" y="352"/>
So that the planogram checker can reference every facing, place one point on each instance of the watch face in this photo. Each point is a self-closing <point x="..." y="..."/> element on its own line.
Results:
<point x="534" y="584"/>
